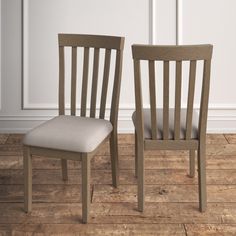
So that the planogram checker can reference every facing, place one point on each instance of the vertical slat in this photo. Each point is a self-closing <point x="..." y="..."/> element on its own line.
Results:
<point x="61" y="81"/>
<point x="85" y="82"/>
<point x="191" y="89"/>
<point x="152" y="89"/>
<point x="178" y="84"/>
<point x="166" y="101"/>
<point x="105" y="83"/>
<point x="116" y="89"/>
<point x="94" y="83"/>
<point x="138" y="99"/>
<point x="73" y="80"/>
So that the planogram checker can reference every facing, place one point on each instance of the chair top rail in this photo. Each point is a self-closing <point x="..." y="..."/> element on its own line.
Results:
<point x="93" y="41"/>
<point x="172" y="53"/>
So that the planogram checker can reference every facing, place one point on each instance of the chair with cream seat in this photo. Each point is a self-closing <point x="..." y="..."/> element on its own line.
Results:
<point x="166" y="128"/>
<point x="71" y="137"/>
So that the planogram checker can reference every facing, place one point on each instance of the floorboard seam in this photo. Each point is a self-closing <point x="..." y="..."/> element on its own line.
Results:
<point x="226" y="139"/>
<point x="185" y="230"/>
<point x="92" y="193"/>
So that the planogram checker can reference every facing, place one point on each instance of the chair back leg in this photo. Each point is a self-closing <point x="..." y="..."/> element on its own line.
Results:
<point x="27" y="179"/>
<point x="202" y="176"/>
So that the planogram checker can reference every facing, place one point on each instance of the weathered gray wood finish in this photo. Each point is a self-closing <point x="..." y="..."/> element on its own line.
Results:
<point x="178" y="54"/>
<point x="88" y="42"/>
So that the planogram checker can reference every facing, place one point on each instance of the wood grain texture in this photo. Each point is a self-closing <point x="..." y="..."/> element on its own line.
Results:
<point x="231" y="138"/>
<point x="118" y="213"/>
<point x="211" y="229"/>
<point x="103" y="176"/>
<point x="3" y="138"/>
<point x="100" y="230"/>
<point x="164" y="193"/>
<point x="171" y="196"/>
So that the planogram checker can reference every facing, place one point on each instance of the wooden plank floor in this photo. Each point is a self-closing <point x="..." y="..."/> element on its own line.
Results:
<point x="171" y="196"/>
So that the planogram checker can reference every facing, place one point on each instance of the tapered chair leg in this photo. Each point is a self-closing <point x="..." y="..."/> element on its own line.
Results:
<point x="27" y="179"/>
<point x="191" y="163"/>
<point x="141" y="175"/>
<point x="114" y="159"/>
<point x="64" y="169"/>
<point x="202" y="177"/>
<point x="85" y="187"/>
<point x="136" y="155"/>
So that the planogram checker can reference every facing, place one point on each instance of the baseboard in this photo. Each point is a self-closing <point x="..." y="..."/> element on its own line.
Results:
<point x="219" y="121"/>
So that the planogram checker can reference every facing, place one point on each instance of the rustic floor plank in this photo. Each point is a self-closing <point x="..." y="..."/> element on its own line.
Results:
<point x="210" y="229"/>
<point x="216" y="139"/>
<point x="10" y="150"/>
<point x="42" y="193"/>
<point x="91" y="229"/>
<point x="10" y="162"/>
<point x="171" y="196"/>
<point x="125" y="193"/>
<point x="161" y="176"/>
<point x="164" y="193"/>
<point x="15" y="139"/>
<point x="3" y="138"/>
<point x="231" y="138"/>
<point x="125" y="162"/>
<point x="164" y="213"/>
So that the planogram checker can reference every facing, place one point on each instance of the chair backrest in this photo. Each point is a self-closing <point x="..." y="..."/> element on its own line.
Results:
<point x="178" y="54"/>
<point x="87" y="42"/>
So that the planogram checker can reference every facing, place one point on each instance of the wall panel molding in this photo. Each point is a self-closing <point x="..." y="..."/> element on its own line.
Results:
<point x="222" y="117"/>
<point x="179" y="22"/>
<point x="152" y="22"/>
<point x="26" y="104"/>
<point x="219" y="121"/>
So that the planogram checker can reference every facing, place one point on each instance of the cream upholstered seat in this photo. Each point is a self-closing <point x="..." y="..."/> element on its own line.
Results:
<point x="69" y="133"/>
<point x="148" y="127"/>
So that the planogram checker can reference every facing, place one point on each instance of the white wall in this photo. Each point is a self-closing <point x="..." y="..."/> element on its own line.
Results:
<point x="25" y="101"/>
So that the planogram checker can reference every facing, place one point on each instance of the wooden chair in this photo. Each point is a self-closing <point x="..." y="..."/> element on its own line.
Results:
<point x="71" y="137"/>
<point x="174" y="129"/>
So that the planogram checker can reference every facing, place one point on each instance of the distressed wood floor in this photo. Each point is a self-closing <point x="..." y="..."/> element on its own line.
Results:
<point x="171" y="197"/>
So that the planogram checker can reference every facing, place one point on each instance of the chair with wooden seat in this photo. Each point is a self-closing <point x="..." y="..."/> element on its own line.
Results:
<point x="167" y="128"/>
<point x="71" y="137"/>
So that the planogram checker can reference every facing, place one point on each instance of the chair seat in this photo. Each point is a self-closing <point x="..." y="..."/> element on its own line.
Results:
<point x="147" y="124"/>
<point x="69" y="133"/>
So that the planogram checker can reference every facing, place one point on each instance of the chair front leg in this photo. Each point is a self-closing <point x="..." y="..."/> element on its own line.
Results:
<point x="114" y="159"/>
<point x="64" y="169"/>
<point x="202" y="176"/>
<point x="141" y="175"/>
<point x="85" y="187"/>
<point x="27" y="179"/>
<point x="191" y="163"/>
